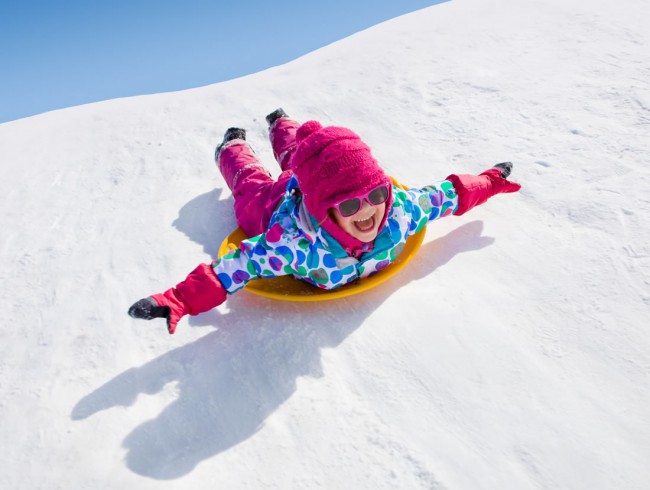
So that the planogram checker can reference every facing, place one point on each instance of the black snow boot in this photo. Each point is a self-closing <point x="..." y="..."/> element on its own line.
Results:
<point x="234" y="134"/>
<point x="276" y="114"/>
<point x="505" y="167"/>
<point x="231" y="134"/>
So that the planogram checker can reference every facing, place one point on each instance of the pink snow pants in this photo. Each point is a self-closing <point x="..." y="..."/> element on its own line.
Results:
<point x="256" y="193"/>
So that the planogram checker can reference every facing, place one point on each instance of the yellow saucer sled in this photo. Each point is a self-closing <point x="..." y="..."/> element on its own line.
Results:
<point x="288" y="288"/>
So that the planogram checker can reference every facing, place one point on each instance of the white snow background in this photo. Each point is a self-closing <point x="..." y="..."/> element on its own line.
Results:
<point x="512" y="353"/>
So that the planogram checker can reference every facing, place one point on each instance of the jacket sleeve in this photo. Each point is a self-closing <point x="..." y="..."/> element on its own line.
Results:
<point x="270" y="254"/>
<point x="426" y="204"/>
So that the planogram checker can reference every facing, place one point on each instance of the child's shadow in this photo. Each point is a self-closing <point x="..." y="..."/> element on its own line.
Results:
<point x="207" y="220"/>
<point x="228" y="382"/>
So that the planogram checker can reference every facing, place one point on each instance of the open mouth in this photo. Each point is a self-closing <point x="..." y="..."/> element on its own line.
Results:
<point x="365" y="225"/>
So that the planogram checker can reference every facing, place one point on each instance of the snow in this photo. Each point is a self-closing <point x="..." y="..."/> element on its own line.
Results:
<point x="513" y="352"/>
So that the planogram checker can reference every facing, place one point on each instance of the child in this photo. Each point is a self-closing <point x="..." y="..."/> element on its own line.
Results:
<point x="332" y="216"/>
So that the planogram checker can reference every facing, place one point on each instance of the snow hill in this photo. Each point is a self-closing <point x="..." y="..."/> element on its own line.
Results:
<point x="512" y="353"/>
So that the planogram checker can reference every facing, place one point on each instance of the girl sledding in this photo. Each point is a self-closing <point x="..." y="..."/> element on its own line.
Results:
<point x="332" y="217"/>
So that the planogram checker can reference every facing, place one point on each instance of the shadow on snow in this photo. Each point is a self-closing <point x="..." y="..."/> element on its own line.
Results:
<point x="229" y="381"/>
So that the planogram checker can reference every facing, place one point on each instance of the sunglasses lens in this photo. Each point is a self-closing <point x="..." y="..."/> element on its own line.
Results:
<point x="349" y="207"/>
<point x="379" y="195"/>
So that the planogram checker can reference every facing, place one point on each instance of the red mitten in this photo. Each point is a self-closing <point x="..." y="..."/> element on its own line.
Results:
<point x="200" y="291"/>
<point x="474" y="190"/>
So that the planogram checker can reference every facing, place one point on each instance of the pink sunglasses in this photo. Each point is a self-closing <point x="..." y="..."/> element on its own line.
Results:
<point x="351" y="206"/>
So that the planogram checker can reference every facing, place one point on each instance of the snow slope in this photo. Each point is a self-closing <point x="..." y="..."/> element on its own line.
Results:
<point x="512" y="353"/>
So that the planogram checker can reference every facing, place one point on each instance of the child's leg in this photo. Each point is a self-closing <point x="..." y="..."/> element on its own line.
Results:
<point x="282" y="134"/>
<point x="256" y="193"/>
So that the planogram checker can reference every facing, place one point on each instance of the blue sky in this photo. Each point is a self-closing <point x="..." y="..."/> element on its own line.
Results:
<point x="56" y="54"/>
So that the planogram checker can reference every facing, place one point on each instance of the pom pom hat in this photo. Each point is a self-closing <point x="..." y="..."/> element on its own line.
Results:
<point x="332" y="164"/>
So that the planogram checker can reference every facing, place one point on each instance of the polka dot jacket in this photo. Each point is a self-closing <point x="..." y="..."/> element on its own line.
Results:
<point x="295" y="244"/>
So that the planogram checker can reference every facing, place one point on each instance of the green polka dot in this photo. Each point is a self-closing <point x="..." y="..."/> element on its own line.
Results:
<point x="382" y="256"/>
<point x="250" y="267"/>
<point x="421" y="224"/>
<point x="448" y="189"/>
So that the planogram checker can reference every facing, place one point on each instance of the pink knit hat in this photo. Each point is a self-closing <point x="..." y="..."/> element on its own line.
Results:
<point x="333" y="164"/>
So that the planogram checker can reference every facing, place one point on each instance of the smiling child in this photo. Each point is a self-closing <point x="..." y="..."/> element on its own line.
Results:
<point x="332" y="216"/>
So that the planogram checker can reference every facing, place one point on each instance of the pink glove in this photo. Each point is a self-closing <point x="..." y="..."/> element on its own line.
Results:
<point x="200" y="291"/>
<point x="474" y="190"/>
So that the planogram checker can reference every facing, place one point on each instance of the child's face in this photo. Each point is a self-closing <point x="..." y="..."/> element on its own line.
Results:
<point x="364" y="225"/>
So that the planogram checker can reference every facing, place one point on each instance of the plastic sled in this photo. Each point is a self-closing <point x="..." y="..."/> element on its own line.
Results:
<point x="288" y="288"/>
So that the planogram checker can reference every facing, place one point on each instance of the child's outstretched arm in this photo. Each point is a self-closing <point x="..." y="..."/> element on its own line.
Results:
<point x="199" y="292"/>
<point x="474" y="190"/>
<point x="267" y="255"/>
<point x="455" y="195"/>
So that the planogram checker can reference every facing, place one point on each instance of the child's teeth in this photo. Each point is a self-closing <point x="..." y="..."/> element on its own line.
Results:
<point x="365" y="223"/>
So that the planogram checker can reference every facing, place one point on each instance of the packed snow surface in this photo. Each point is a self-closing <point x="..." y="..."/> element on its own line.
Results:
<point x="513" y="352"/>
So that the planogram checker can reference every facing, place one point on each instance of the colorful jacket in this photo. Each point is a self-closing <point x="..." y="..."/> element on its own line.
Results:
<point x="295" y="244"/>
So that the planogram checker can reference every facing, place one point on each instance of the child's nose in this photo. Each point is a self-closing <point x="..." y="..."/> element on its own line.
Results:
<point x="366" y="204"/>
